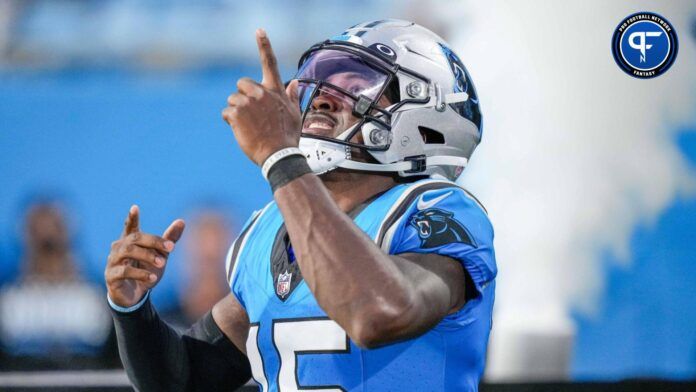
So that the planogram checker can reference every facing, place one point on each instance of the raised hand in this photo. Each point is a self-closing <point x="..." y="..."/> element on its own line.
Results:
<point x="137" y="260"/>
<point x="265" y="117"/>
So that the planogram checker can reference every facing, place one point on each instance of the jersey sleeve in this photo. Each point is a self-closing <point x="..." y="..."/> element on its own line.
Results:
<point x="451" y="223"/>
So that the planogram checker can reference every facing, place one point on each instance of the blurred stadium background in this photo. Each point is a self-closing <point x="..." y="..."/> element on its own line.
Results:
<point x="588" y="174"/>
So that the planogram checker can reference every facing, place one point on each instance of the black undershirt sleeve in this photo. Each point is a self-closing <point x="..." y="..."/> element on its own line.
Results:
<point x="157" y="358"/>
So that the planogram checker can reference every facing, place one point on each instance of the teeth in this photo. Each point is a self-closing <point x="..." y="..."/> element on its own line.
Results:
<point x="319" y="125"/>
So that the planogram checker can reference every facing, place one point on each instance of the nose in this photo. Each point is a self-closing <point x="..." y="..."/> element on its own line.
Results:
<point x="326" y="102"/>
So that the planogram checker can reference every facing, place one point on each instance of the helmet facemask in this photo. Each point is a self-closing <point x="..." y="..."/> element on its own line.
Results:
<point x="353" y="81"/>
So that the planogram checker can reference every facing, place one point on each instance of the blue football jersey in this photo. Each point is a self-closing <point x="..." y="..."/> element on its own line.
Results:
<point x="293" y="345"/>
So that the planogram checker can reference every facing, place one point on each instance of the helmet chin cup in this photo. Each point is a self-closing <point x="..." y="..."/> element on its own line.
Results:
<point x="323" y="156"/>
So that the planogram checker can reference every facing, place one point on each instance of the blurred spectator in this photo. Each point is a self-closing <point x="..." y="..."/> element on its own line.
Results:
<point x="207" y="240"/>
<point x="50" y="317"/>
<point x="49" y="257"/>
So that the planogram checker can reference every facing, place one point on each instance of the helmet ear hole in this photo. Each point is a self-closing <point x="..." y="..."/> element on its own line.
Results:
<point x="431" y="136"/>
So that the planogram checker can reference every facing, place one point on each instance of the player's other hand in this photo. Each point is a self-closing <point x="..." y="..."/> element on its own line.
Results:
<point x="265" y="117"/>
<point x="137" y="260"/>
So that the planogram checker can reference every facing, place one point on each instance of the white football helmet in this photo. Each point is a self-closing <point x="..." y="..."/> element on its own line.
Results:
<point x="434" y="123"/>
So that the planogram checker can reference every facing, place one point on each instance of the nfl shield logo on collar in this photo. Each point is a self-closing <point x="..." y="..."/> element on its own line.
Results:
<point x="283" y="286"/>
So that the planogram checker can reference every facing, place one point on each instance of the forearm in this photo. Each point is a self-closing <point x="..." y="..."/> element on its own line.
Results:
<point x="157" y="358"/>
<point x="351" y="277"/>
<point x="153" y="354"/>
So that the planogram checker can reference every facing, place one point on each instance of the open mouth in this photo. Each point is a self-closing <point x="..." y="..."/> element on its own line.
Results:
<point x="319" y="124"/>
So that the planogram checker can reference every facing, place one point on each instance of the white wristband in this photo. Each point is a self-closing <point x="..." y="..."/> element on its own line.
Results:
<point x="129" y="309"/>
<point x="276" y="156"/>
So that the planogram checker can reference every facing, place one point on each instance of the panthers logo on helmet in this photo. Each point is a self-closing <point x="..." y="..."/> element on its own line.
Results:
<point x="436" y="227"/>
<point x="468" y="109"/>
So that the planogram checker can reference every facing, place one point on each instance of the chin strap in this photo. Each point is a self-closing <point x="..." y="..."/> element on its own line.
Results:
<point x="323" y="156"/>
<point x="414" y="165"/>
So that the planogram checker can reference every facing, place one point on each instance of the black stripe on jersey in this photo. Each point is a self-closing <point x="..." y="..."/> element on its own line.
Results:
<point x="280" y="263"/>
<point x="238" y="245"/>
<point x="401" y="209"/>
<point x="476" y="200"/>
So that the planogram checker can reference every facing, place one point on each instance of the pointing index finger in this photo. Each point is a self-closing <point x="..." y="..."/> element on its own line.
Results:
<point x="269" y="64"/>
<point x="132" y="223"/>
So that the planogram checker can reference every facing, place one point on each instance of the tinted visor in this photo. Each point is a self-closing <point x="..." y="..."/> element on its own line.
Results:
<point x="308" y="91"/>
<point x="347" y="71"/>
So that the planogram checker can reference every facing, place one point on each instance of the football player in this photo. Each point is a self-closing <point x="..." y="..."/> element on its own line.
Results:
<point x="371" y="270"/>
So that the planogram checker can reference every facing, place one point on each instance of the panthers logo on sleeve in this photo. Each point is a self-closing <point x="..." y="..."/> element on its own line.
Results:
<point x="437" y="227"/>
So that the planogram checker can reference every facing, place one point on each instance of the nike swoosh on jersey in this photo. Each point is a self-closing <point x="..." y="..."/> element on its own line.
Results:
<point x="423" y="204"/>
